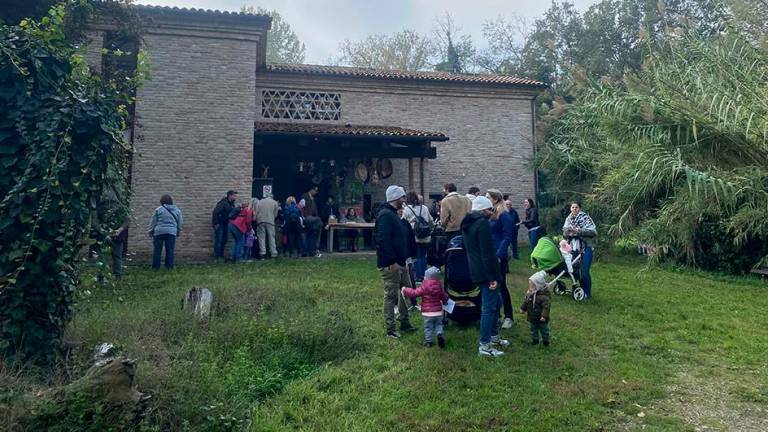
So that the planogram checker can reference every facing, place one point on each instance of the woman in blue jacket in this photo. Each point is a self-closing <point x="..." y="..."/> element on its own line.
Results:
<point x="164" y="225"/>
<point x="503" y="232"/>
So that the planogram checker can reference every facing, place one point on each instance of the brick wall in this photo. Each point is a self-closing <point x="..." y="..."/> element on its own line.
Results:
<point x="490" y="128"/>
<point x="195" y="129"/>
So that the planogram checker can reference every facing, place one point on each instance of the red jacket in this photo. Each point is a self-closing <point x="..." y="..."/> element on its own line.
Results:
<point x="431" y="293"/>
<point x="243" y="220"/>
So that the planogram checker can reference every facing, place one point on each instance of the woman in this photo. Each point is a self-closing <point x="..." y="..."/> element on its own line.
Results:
<point x="417" y="214"/>
<point x="502" y="235"/>
<point x="531" y="221"/>
<point x="292" y="227"/>
<point x="241" y="223"/>
<point x="164" y="225"/>
<point x="351" y="235"/>
<point x="579" y="229"/>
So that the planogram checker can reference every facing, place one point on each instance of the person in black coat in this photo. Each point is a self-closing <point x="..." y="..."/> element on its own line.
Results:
<point x="515" y="230"/>
<point x="391" y="254"/>
<point x="484" y="270"/>
<point x="220" y="223"/>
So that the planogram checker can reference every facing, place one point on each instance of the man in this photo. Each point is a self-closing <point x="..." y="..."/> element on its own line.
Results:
<point x="484" y="270"/>
<point x="220" y="223"/>
<point x="453" y="208"/>
<point x="312" y="223"/>
<point x="472" y="193"/>
<point x="330" y="209"/>
<point x="265" y="214"/>
<point x="391" y="253"/>
<point x="516" y="221"/>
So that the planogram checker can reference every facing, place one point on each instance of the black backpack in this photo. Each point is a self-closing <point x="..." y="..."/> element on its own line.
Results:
<point x="421" y="229"/>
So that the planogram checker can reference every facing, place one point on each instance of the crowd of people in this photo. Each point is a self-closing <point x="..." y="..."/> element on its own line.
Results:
<point x="489" y="227"/>
<point x="404" y="227"/>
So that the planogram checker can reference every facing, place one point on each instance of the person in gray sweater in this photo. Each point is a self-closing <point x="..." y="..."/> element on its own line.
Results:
<point x="164" y="226"/>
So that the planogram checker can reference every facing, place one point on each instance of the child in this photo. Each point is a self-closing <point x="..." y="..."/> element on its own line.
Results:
<point x="248" y="245"/>
<point x="565" y="251"/>
<point x="536" y="304"/>
<point x="432" y="298"/>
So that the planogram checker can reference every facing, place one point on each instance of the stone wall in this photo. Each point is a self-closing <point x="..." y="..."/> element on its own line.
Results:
<point x="194" y="138"/>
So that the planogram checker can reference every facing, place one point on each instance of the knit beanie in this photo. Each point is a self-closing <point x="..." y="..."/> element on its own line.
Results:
<point x="394" y="192"/>
<point x="481" y="203"/>
<point x="432" y="273"/>
<point x="539" y="279"/>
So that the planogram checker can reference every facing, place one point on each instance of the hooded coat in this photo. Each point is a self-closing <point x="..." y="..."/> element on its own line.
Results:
<point x="476" y="232"/>
<point x="536" y="305"/>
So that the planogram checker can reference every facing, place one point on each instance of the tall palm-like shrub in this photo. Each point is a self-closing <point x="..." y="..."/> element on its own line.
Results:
<point x="678" y="153"/>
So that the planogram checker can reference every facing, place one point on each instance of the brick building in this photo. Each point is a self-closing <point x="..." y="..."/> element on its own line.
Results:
<point x="215" y="117"/>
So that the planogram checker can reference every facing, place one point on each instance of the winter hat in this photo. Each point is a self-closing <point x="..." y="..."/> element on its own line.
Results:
<point x="481" y="203"/>
<point x="302" y="203"/>
<point x="565" y="247"/>
<point x="432" y="273"/>
<point x="539" y="279"/>
<point x="394" y="192"/>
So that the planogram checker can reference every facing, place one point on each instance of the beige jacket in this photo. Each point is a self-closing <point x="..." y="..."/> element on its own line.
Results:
<point x="266" y="211"/>
<point x="453" y="208"/>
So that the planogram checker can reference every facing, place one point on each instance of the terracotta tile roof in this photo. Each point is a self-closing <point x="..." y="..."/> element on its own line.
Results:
<point x="506" y="80"/>
<point x="272" y="128"/>
<point x="197" y="13"/>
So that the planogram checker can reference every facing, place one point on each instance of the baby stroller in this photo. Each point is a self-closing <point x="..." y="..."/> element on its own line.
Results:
<point x="548" y="257"/>
<point x="459" y="285"/>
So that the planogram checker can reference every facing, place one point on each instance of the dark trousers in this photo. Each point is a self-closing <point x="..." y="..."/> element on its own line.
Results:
<point x="293" y="236"/>
<point x="513" y="245"/>
<point x="421" y="260"/>
<point x="117" y="257"/>
<point x="311" y="242"/>
<point x="502" y="282"/>
<point x="220" y="236"/>
<point x="158" y="242"/>
<point x="540" y="328"/>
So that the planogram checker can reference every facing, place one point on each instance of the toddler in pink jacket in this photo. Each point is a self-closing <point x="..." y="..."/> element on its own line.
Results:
<point x="432" y="298"/>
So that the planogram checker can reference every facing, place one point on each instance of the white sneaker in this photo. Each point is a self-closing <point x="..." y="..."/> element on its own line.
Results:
<point x="499" y="342"/>
<point x="488" y="350"/>
<point x="508" y="323"/>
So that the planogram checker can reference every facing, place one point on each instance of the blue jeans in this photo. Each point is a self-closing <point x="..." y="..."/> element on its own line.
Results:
<point x="220" y="240"/>
<point x="489" y="315"/>
<point x="586" y="278"/>
<point x="421" y="260"/>
<point x="237" y="249"/>
<point x="158" y="242"/>
<point x="539" y="328"/>
<point x="533" y="236"/>
<point x="431" y="323"/>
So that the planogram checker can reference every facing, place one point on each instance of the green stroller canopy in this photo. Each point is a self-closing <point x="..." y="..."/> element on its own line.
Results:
<point x="546" y="255"/>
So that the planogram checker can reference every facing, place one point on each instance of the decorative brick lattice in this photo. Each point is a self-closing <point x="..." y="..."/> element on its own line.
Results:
<point x="300" y="105"/>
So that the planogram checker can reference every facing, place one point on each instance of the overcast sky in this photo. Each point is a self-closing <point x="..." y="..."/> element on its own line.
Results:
<point x="323" y="24"/>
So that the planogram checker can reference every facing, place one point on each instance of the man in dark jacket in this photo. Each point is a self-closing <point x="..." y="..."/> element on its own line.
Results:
<point x="391" y="253"/>
<point x="220" y="223"/>
<point x="484" y="270"/>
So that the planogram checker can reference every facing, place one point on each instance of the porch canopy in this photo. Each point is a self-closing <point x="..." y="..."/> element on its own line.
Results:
<point x="321" y="140"/>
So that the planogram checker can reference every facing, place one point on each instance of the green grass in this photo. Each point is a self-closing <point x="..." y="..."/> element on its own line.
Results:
<point x="299" y="345"/>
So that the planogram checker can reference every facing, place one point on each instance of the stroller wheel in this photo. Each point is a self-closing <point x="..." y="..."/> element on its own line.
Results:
<point x="559" y="288"/>
<point x="578" y="294"/>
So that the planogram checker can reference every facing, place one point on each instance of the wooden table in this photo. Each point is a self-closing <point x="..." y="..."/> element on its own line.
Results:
<point x="332" y="226"/>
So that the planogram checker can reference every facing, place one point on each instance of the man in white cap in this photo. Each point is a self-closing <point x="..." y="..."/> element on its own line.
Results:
<point x="391" y="253"/>
<point x="484" y="270"/>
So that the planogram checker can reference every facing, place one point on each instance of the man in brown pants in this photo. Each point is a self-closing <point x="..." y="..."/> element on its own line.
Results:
<point x="391" y="253"/>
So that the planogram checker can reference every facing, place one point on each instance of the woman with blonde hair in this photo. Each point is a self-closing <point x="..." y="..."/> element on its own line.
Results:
<point x="502" y="235"/>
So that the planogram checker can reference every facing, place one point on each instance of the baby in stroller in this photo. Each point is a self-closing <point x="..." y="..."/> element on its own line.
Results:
<point x="559" y="260"/>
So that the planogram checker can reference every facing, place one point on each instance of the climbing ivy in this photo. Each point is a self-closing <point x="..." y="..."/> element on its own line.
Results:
<point x="61" y="153"/>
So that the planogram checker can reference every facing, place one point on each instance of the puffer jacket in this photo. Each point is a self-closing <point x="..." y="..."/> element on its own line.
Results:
<point x="166" y="219"/>
<point x="476" y="233"/>
<point x="432" y="296"/>
<point x="536" y="305"/>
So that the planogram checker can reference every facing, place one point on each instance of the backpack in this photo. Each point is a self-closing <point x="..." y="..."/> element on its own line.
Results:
<point x="421" y="229"/>
<point x="293" y="219"/>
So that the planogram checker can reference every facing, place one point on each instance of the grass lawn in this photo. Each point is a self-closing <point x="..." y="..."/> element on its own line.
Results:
<point x="299" y="345"/>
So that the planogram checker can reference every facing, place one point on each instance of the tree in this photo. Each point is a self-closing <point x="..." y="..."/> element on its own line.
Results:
<point x="678" y="152"/>
<point x="456" y="51"/>
<point x="506" y="40"/>
<point x="283" y="45"/>
<point x="62" y="153"/>
<point x="405" y="50"/>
